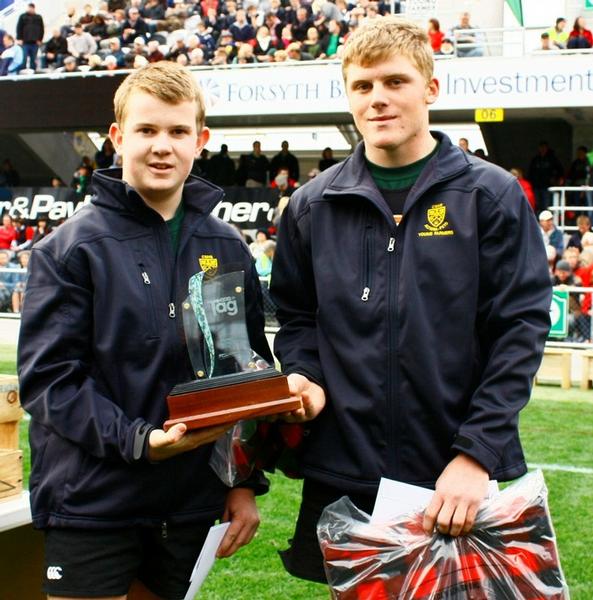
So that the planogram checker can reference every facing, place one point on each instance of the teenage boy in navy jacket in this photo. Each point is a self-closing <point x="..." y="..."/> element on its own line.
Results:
<point x="125" y="507"/>
<point x="413" y="297"/>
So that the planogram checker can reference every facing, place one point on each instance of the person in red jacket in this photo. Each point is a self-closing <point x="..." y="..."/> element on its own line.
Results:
<point x="580" y="36"/>
<point x="7" y="232"/>
<point x="527" y="188"/>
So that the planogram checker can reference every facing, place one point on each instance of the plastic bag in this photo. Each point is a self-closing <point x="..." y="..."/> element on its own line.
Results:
<point x="510" y="554"/>
<point x="261" y="445"/>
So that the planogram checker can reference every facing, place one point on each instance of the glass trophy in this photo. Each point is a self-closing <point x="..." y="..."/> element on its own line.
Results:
<point x="232" y="381"/>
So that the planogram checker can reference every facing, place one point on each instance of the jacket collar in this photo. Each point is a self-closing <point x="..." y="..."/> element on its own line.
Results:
<point x="354" y="177"/>
<point x="199" y="196"/>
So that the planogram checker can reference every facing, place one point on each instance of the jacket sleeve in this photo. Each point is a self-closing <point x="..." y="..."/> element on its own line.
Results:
<point x="55" y="363"/>
<point x="293" y="291"/>
<point x="512" y="324"/>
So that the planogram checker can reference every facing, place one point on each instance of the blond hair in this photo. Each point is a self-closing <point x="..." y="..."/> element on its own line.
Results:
<point x="379" y="39"/>
<point x="165" y="80"/>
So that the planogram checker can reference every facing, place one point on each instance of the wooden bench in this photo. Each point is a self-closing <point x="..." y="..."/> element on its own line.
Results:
<point x="587" y="369"/>
<point x="555" y="367"/>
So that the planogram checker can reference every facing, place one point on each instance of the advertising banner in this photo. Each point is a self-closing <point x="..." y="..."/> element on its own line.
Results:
<point x="248" y="208"/>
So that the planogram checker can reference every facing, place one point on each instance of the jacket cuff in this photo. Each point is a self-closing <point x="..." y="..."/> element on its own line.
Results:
<point x="257" y="482"/>
<point x="478" y="451"/>
<point x="311" y="374"/>
<point x="140" y="447"/>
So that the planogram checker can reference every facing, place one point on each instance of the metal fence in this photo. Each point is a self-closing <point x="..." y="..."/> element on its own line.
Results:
<point x="565" y="199"/>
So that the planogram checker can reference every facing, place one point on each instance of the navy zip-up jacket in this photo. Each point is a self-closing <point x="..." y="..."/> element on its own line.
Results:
<point x="426" y="336"/>
<point x="102" y="344"/>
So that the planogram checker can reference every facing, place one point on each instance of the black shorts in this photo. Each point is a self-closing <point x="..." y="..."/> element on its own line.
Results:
<point x="104" y="562"/>
<point x="303" y="558"/>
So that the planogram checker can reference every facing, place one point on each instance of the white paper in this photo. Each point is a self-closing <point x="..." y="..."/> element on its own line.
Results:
<point x="206" y="559"/>
<point x="396" y="498"/>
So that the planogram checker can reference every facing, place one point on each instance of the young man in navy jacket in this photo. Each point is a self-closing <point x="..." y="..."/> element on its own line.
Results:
<point x="413" y="296"/>
<point x="126" y="506"/>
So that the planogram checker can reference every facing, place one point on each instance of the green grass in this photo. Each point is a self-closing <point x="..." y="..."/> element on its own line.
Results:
<point x="556" y="428"/>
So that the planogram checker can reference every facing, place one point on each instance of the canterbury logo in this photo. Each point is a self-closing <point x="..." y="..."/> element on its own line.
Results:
<point x="54" y="572"/>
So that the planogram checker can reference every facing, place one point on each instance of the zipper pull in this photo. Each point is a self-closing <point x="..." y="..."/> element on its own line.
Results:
<point x="391" y="246"/>
<point x="171" y="310"/>
<point x="145" y="278"/>
<point x="365" y="294"/>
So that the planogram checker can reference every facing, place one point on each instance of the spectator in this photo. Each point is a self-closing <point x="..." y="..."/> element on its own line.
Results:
<point x="41" y="231"/>
<point x="283" y="183"/>
<point x="312" y="44"/>
<point x="105" y="156"/>
<point x="244" y="55"/>
<point x="545" y="43"/>
<point x="196" y="58"/>
<point x="152" y="11"/>
<point x="95" y="63"/>
<point x="557" y="36"/>
<point x="116" y="51"/>
<point x="264" y="45"/>
<point x="56" y="49"/>
<point x="201" y="166"/>
<point x="301" y="24"/>
<point x="241" y="29"/>
<point x="327" y="159"/>
<point x="545" y="170"/>
<point x="551" y="235"/>
<point x="263" y="263"/>
<point x="23" y="235"/>
<point x="468" y="44"/>
<point x="527" y="189"/>
<point x="141" y="61"/>
<point x="87" y="18"/>
<point x="257" y="246"/>
<point x="253" y="168"/>
<point x="154" y="52"/>
<point x="580" y="37"/>
<point x="81" y="45"/>
<point x="563" y="274"/>
<point x="177" y="49"/>
<point x="6" y="281"/>
<point x="222" y="168"/>
<point x="284" y="158"/>
<point x="220" y="56"/>
<point x="206" y="40"/>
<point x="110" y="63"/>
<point x="29" y="34"/>
<point x="331" y="40"/>
<point x="295" y="53"/>
<point x="280" y="56"/>
<point x="274" y="25"/>
<point x="447" y="48"/>
<point x="9" y="174"/>
<point x="70" y="66"/>
<point x="286" y="36"/>
<point x="11" y="58"/>
<point x="68" y="21"/>
<point x="98" y="28"/>
<point x="7" y="232"/>
<point x="226" y="41"/>
<point x="583" y="226"/>
<point x="56" y="182"/>
<point x="435" y="35"/>
<point x="464" y="145"/>
<point x="133" y="27"/>
<point x="20" y="280"/>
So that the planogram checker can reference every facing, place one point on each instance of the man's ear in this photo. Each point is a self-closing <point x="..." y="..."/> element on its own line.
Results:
<point x="116" y="136"/>
<point x="432" y="91"/>
<point x="202" y="140"/>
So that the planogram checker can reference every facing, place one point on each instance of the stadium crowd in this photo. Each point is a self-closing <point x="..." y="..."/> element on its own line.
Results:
<point x="120" y="34"/>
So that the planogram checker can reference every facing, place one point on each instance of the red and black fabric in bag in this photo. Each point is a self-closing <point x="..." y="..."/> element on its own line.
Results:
<point x="510" y="554"/>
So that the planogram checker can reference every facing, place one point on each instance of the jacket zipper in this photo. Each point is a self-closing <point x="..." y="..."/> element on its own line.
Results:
<point x="367" y="264"/>
<point x="147" y="285"/>
<point x="394" y="407"/>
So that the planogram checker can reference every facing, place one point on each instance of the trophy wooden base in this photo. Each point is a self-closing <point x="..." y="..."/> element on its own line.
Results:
<point x="229" y="398"/>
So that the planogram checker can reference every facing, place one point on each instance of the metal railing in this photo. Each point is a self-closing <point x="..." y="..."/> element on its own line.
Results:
<point x="562" y="203"/>
<point x="579" y="330"/>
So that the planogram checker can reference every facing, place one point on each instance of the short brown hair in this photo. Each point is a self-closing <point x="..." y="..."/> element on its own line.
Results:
<point x="165" y="80"/>
<point x="380" y="38"/>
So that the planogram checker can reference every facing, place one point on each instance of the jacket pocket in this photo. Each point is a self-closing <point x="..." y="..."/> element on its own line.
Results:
<point x="367" y="263"/>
